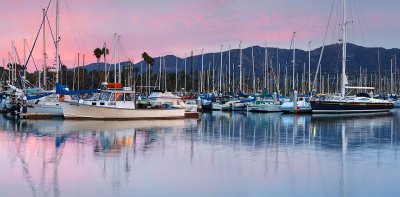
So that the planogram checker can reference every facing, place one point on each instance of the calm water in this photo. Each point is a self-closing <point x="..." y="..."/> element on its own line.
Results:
<point x="224" y="154"/>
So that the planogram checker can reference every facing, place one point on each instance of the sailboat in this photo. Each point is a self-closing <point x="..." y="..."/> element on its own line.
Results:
<point x="349" y="104"/>
<point x="46" y="103"/>
<point x="297" y="103"/>
<point x="265" y="103"/>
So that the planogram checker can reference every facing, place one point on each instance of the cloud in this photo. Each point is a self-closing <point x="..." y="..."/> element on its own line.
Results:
<point x="179" y="26"/>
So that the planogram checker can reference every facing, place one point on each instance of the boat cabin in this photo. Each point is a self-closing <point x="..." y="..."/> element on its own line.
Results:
<point x="114" y="98"/>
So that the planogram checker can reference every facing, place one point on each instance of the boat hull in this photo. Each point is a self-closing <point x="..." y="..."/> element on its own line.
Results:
<point x="79" y="111"/>
<point x="302" y="107"/>
<point x="266" y="109"/>
<point x="54" y="110"/>
<point x="299" y="110"/>
<point x="239" y="107"/>
<point x="206" y="107"/>
<point x="216" y="106"/>
<point x="349" y="107"/>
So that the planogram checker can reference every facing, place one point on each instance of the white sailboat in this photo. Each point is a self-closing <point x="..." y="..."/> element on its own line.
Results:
<point x="265" y="104"/>
<point x="296" y="105"/>
<point x="45" y="106"/>
<point x="48" y="105"/>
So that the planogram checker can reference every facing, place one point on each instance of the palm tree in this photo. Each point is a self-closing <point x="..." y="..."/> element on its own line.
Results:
<point x="149" y="61"/>
<point x="104" y="50"/>
<point x="147" y="58"/>
<point x="97" y="53"/>
<point x="64" y="71"/>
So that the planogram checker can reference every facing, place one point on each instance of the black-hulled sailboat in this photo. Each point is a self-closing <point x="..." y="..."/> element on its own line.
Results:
<point x="349" y="104"/>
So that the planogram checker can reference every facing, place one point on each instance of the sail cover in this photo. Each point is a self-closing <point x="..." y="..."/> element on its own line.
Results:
<point x="61" y="89"/>
<point x="38" y="96"/>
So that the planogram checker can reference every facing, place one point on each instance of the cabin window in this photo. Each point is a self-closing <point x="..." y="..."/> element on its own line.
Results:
<point x="128" y="97"/>
<point x="120" y="96"/>
<point x="105" y="96"/>
<point x="112" y="97"/>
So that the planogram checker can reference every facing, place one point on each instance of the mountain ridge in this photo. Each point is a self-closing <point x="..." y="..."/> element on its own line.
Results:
<point x="358" y="57"/>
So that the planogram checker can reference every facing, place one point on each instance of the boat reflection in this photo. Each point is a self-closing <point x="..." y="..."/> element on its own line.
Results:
<point x="276" y="144"/>
<point x="110" y="140"/>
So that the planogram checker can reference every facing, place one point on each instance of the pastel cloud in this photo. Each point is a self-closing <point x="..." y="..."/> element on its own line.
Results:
<point x="179" y="26"/>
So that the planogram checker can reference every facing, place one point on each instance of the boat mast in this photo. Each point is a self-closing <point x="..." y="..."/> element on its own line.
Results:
<point x="192" y="70"/>
<point x="165" y="75"/>
<point x="278" y="65"/>
<point x="78" y="71"/>
<point x="9" y="67"/>
<point x="141" y="77"/>
<point x="208" y="72"/>
<point x="57" y="39"/>
<point x="266" y="85"/>
<point x="254" y="72"/>
<point x="23" y="78"/>
<point x="44" y="52"/>
<point x="229" y="68"/>
<point x="294" y="59"/>
<point x="202" y="70"/>
<point x="233" y="78"/>
<point x="83" y="71"/>
<point x="344" y="78"/>
<point x="119" y="61"/>
<point x="159" y="81"/>
<point x="379" y="73"/>
<point x="185" y="73"/>
<point x="115" y="60"/>
<point x="395" y="74"/>
<point x="240" y="68"/>
<point x="391" y="77"/>
<point x="309" y="66"/>
<point x="105" y="63"/>
<point x="220" y="73"/>
<point x="213" y="73"/>
<point x="13" y="64"/>
<point x="176" y="74"/>
<point x="303" y="85"/>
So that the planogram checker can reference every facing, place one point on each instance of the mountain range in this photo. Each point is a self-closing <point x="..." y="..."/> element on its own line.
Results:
<point x="358" y="57"/>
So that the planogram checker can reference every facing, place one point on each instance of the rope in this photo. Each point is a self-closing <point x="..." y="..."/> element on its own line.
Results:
<point x="37" y="35"/>
<point x="323" y="45"/>
<point x="74" y="28"/>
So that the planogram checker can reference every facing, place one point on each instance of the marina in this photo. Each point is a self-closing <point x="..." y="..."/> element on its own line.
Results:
<point x="199" y="98"/>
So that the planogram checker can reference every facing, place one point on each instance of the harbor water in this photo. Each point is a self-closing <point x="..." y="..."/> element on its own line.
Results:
<point x="221" y="154"/>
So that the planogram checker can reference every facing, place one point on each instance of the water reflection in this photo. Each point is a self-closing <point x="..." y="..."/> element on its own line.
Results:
<point x="235" y="153"/>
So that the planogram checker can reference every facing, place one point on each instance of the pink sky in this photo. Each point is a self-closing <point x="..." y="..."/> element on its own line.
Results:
<point x="176" y="27"/>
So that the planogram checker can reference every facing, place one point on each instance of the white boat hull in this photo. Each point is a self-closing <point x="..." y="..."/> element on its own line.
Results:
<point x="54" y="110"/>
<point x="239" y="107"/>
<point x="79" y="111"/>
<point x="216" y="106"/>
<point x="265" y="108"/>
